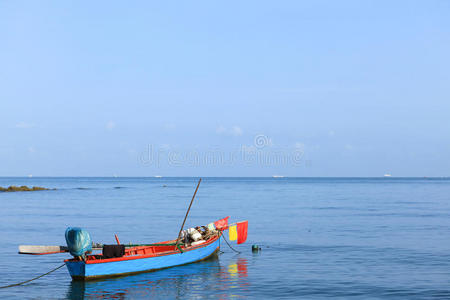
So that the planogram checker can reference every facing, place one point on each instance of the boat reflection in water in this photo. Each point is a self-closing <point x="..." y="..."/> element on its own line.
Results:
<point x="205" y="278"/>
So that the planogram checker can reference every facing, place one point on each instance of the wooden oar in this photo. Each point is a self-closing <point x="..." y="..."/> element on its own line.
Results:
<point x="41" y="250"/>
<point x="189" y="208"/>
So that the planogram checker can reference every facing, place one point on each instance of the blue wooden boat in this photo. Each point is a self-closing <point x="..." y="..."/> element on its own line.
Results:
<point x="141" y="259"/>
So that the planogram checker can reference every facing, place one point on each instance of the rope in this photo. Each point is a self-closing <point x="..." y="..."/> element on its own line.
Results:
<point x="23" y="282"/>
<point x="220" y="245"/>
<point x="230" y="245"/>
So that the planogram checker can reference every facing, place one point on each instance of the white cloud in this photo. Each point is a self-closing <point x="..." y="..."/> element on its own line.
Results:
<point x="170" y="126"/>
<point x="31" y="150"/>
<point x="234" y="131"/>
<point x="110" y="125"/>
<point x="348" y="147"/>
<point x="24" y="125"/>
<point x="299" y="145"/>
<point x="221" y="130"/>
<point x="165" y="146"/>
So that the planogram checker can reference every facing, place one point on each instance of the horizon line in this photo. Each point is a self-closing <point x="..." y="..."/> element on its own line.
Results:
<point x="274" y="177"/>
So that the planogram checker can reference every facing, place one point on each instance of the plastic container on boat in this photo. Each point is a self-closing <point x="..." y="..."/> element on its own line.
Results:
<point x="194" y="234"/>
<point x="198" y="243"/>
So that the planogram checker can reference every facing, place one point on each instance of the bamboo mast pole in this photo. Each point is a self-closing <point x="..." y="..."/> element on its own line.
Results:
<point x="187" y="213"/>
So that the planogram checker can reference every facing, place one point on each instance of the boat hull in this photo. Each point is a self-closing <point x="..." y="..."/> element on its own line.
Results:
<point x="80" y="270"/>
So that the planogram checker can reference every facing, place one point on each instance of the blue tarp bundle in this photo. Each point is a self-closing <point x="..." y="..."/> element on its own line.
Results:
<point x="78" y="241"/>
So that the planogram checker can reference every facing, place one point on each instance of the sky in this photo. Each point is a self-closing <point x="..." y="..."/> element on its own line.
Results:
<point x="224" y="88"/>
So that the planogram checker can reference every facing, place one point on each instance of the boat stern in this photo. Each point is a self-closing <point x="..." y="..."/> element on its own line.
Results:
<point x="77" y="269"/>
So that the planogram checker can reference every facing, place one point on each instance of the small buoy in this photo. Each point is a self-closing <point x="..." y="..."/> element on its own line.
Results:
<point x="255" y="248"/>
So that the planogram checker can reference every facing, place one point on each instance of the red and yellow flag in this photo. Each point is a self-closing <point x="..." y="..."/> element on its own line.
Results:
<point x="222" y="224"/>
<point x="242" y="228"/>
<point x="232" y="233"/>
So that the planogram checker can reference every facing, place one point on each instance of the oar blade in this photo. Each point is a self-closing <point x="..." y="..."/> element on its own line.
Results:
<point x="40" y="250"/>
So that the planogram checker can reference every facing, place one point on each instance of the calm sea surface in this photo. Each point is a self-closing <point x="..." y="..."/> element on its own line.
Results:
<point x="385" y="238"/>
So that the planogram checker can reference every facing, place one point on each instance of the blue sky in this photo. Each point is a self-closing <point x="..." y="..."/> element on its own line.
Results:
<point x="327" y="88"/>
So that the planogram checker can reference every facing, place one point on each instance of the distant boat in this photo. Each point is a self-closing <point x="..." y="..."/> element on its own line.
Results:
<point x="158" y="176"/>
<point x="31" y="175"/>
<point x="277" y="176"/>
<point x="387" y="175"/>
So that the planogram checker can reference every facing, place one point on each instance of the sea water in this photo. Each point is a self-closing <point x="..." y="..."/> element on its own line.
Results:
<point x="359" y="238"/>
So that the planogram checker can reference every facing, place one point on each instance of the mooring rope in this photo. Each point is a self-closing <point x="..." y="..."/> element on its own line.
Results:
<point x="23" y="282"/>
<point x="230" y="245"/>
